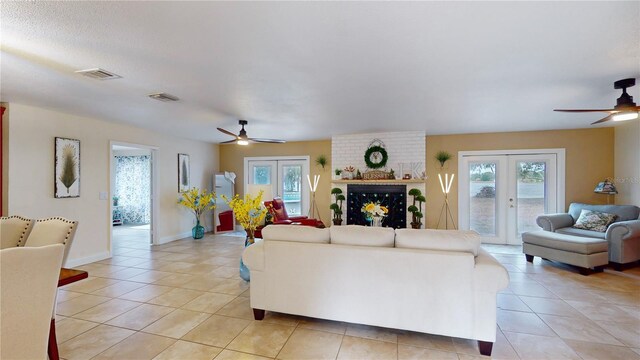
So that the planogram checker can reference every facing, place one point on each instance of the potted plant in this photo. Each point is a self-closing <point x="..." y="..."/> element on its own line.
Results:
<point x="416" y="211"/>
<point x="337" y="172"/>
<point x="198" y="202"/>
<point x="322" y="161"/>
<point x="442" y="157"/>
<point x="337" y="206"/>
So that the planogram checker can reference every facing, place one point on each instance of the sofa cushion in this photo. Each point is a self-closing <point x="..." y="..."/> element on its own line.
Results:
<point x="362" y="235"/>
<point x="624" y="212"/>
<point x="594" y="220"/>
<point x="296" y="233"/>
<point x="580" y="232"/>
<point x="576" y="244"/>
<point x="449" y="240"/>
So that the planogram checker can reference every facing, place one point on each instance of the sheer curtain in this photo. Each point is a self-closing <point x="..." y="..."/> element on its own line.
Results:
<point x="133" y="188"/>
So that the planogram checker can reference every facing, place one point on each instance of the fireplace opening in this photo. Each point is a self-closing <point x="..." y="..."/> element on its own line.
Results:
<point x="391" y="196"/>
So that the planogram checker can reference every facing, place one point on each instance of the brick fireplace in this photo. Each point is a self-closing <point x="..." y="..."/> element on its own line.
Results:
<point x="405" y="150"/>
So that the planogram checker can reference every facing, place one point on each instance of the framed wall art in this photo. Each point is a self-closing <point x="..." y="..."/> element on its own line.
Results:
<point x="184" y="179"/>
<point x="67" y="168"/>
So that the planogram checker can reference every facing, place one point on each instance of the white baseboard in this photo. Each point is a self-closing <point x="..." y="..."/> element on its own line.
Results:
<point x="71" y="263"/>
<point x="166" y="239"/>
<point x="186" y="234"/>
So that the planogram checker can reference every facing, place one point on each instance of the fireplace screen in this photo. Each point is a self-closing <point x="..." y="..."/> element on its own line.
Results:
<point x="391" y="196"/>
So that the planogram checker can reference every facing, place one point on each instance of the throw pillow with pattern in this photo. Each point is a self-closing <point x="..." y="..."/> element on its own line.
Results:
<point x="594" y="220"/>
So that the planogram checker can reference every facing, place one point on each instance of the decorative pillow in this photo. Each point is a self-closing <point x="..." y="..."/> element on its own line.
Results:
<point x="594" y="220"/>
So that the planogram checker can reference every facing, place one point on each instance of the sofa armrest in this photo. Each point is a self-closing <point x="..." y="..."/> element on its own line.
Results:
<point x="489" y="275"/>
<point x="553" y="222"/>
<point x="623" y="230"/>
<point x="253" y="256"/>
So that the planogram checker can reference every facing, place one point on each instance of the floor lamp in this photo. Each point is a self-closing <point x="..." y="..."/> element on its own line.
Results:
<point x="313" y="208"/>
<point x="446" y="186"/>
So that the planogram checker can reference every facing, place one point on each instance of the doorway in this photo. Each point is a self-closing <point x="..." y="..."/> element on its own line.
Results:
<point x="502" y="193"/>
<point x="133" y="210"/>
<point x="287" y="177"/>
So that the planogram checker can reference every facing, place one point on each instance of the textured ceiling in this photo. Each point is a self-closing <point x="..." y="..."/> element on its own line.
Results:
<point x="302" y="71"/>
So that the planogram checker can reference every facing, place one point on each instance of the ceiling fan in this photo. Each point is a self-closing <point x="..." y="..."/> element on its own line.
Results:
<point x="243" y="139"/>
<point x="625" y="109"/>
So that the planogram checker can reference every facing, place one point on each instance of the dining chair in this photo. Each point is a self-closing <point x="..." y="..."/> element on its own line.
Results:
<point x="14" y="230"/>
<point x="55" y="230"/>
<point x="29" y="282"/>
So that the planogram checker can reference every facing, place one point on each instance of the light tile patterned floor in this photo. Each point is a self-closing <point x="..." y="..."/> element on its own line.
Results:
<point x="184" y="300"/>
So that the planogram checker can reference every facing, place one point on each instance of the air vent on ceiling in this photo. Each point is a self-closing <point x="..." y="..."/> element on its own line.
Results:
<point x="164" y="97"/>
<point x="99" y="74"/>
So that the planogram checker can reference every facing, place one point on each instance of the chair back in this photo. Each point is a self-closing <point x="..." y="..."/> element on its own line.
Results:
<point x="14" y="231"/>
<point x="55" y="230"/>
<point x="29" y="280"/>
<point x="277" y="209"/>
<point x="624" y="212"/>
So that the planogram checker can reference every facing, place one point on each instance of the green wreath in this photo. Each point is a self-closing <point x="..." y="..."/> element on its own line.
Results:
<point x="376" y="149"/>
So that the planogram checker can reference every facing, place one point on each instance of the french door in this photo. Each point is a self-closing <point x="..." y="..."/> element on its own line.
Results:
<point x="287" y="177"/>
<point x="501" y="195"/>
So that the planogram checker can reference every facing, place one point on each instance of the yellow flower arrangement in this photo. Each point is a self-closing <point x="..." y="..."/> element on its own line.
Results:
<point x="248" y="211"/>
<point x="198" y="201"/>
<point x="372" y="209"/>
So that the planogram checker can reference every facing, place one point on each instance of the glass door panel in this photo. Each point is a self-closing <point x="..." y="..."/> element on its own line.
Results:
<point x="482" y="191"/>
<point x="292" y="185"/>
<point x="264" y="173"/>
<point x="482" y="198"/>
<point x="530" y="194"/>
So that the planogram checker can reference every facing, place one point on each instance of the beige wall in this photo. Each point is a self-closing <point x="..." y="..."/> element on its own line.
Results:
<point x="30" y="174"/>
<point x="627" y="163"/>
<point x="5" y="156"/>
<point x="589" y="159"/>
<point x="232" y="159"/>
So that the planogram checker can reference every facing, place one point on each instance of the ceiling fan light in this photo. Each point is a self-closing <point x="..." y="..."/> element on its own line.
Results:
<point x="242" y="142"/>
<point x="623" y="116"/>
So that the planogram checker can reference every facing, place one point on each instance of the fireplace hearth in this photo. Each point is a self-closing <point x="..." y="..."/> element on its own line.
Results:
<point x="391" y="196"/>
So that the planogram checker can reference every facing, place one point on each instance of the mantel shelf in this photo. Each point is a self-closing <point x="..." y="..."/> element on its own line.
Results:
<point x="386" y="181"/>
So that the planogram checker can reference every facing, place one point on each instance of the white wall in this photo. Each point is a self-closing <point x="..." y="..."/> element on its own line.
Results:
<point x="30" y="175"/>
<point x="627" y="163"/>
<point x="402" y="147"/>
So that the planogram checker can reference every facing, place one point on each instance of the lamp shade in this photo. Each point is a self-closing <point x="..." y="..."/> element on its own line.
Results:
<point x="606" y="187"/>
<point x="254" y="190"/>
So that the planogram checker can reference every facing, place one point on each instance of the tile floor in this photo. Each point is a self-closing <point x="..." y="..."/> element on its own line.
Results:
<point x="184" y="300"/>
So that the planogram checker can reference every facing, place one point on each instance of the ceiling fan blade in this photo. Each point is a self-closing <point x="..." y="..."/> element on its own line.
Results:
<point x="227" y="132"/>
<point x="274" y="141"/>
<point x="229" y="142"/>
<point x="606" y="118"/>
<point x="584" y="110"/>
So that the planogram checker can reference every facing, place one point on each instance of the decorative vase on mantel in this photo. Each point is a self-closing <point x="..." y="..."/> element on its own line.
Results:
<point x="249" y="240"/>
<point x="198" y="231"/>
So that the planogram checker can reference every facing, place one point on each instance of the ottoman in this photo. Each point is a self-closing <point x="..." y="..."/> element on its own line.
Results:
<point x="586" y="253"/>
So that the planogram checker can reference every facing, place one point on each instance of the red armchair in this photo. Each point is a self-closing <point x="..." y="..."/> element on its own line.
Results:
<point x="225" y="220"/>
<point x="280" y="217"/>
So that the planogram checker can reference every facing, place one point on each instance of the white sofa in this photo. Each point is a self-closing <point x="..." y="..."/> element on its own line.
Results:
<point x="430" y="281"/>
